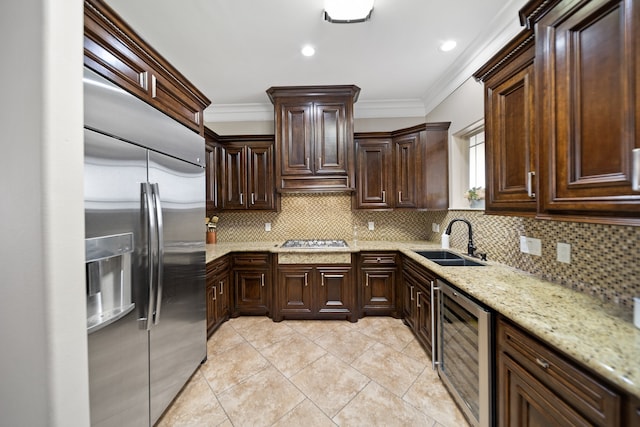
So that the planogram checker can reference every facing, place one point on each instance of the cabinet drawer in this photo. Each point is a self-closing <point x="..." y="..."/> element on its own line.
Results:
<point x="371" y="259"/>
<point x="217" y="266"/>
<point x="251" y="260"/>
<point x="577" y="387"/>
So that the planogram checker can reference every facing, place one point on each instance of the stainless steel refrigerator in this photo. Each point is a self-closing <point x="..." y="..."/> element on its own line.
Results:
<point x="145" y="255"/>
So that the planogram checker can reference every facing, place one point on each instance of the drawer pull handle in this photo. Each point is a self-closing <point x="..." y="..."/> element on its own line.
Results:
<point x="367" y="283"/>
<point x="214" y="293"/>
<point x="543" y="363"/>
<point x="411" y="293"/>
<point x="418" y="300"/>
<point x="262" y="279"/>
<point x="306" y="279"/>
<point x="221" y="287"/>
<point x="322" y="279"/>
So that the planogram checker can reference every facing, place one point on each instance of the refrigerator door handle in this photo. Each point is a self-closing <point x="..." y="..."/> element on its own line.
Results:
<point x="151" y="237"/>
<point x="160" y="251"/>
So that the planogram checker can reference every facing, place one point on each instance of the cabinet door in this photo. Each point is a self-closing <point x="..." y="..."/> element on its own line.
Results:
<point x="588" y="80"/>
<point x="423" y="316"/>
<point x="374" y="180"/>
<point x="378" y="290"/>
<point x="222" y="298"/>
<point x="409" y="303"/>
<point x="524" y="402"/>
<point x="295" y="292"/>
<point x="296" y="155"/>
<point x="334" y="291"/>
<point x="260" y="177"/>
<point x="173" y="101"/>
<point x="331" y="155"/>
<point x="406" y="155"/>
<point x="212" y="306"/>
<point x="212" y="192"/>
<point x="235" y="175"/>
<point x="251" y="291"/>
<point x="510" y="149"/>
<point x="435" y="167"/>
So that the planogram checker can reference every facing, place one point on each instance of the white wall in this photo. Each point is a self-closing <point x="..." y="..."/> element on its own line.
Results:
<point x="43" y="362"/>
<point x="464" y="108"/>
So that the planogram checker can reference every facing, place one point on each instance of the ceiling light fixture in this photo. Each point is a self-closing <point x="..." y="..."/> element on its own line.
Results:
<point x="448" y="45"/>
<point x="347" y="11"/>
<point x="308" y="50"/>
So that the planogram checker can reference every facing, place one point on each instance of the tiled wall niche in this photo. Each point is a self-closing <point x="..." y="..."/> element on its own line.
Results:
<point x="605" y="259"/>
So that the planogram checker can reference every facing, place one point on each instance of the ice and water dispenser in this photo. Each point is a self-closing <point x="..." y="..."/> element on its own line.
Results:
<point x="108" y="279"/>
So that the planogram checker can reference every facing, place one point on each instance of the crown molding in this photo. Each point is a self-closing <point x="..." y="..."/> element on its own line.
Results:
<point x="257" y="112"/>
<point x="498" y="33"/>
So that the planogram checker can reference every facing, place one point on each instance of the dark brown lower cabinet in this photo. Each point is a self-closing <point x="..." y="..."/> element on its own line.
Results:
<point x="251" y="284"/>
<point x="217" y="284"/>
<point x="315" y="292"/>
<point x="538" y="386"/>
<point x="417" y="282"/>
<point x="378" y="285"/>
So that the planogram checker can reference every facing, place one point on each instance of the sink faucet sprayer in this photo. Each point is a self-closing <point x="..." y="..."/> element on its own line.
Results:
<point x="471" y="247"/>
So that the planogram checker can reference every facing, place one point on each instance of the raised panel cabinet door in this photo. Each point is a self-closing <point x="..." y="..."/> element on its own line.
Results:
<point x="587" y="78"/>
<point x="212" y="306"/>
<point x="435" y="167"/>
<point x="260" y="180"/>
<point x="296" y="133"/>
<point x="423" y="317"/>
<point x="374" y="188"/>
<point x="378" y="290"/>
<point x="510" y="143"/>
<point x="295" y="284"/>
<point x="234" y="177"/>
<point x="331" y="153"/>
<point x="212" y="166"/>
<point x="525" y="402"/>
<point x="334" y="290"/>
<point x="409" y="303"/>
<point x="407" y="158"/>
<point x="251" y="291"/>
<point x="222" y="297"/>
<point x="173" y="101"/>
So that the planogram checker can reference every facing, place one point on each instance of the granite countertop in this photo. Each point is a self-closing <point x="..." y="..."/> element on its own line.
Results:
<point x="577" y="324"/>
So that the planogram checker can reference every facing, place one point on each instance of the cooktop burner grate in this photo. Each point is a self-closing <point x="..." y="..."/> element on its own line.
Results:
<point x="315" y="244"/>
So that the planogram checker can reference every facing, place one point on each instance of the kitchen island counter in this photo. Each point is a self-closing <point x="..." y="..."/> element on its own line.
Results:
<point x="583" y="327"/>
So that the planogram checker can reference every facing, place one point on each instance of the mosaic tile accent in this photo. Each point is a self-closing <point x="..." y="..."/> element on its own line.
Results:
<point x="605" y="259"/>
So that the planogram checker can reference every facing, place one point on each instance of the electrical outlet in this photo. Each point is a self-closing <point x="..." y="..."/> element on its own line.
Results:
<point x="535" y="246"/>
<point x="435" y="227"/>
<point x="371" y="226"/>
<point x="564" y="253"/>
<point x="267" y="226"/>
<point x="524" y="247"/>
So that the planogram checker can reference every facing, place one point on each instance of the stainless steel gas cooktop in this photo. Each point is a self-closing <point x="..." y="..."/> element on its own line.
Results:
<point x="315" y="244"/>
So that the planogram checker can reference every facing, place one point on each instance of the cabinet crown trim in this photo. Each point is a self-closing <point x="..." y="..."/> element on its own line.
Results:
<point x="316" y="92"/>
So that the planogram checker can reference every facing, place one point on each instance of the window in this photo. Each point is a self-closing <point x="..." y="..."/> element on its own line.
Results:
<point x="476" y="160"/>
<point x="467" y="166"/>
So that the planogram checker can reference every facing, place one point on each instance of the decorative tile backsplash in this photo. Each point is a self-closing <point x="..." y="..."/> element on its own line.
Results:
<point x="605" y="259"/>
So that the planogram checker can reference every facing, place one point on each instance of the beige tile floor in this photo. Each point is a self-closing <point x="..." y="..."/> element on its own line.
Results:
<point x="314" y="373"/>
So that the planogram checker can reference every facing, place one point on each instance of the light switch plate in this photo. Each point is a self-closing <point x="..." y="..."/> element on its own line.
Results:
<point x="371" y="226"/>
<point x="267" y="226"/>
<point x="564" y="253"/>
<point x="535" y="246"/>
<point x="435" y="227"/>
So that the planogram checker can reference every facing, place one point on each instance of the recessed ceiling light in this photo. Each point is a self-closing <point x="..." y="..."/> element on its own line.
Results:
<point x="448" y="45"/>
<point x="308" y="50"/>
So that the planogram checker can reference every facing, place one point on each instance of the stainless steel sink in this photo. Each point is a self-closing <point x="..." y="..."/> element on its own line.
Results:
<point x="449" y="259"/>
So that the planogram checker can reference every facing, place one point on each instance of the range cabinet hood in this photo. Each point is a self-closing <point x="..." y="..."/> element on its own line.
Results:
<point x="145" y="259"/>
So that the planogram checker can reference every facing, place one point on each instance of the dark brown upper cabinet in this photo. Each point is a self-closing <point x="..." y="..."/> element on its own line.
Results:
<point x="314" y="137"/>
<point x="246" y="173"/>
<point x="510" y="144"/>
<point x="587" y="86"/>
<point x="407" y="168"/>
<point x="115" y="51"/>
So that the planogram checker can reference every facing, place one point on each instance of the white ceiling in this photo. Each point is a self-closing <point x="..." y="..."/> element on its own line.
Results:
<point x="234" y="50"/>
